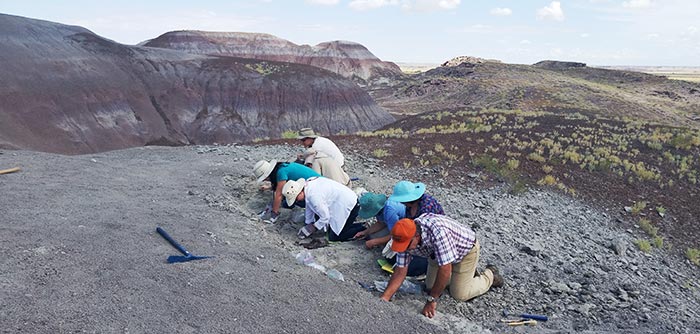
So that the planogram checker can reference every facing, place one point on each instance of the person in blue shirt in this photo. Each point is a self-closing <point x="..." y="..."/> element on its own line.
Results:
<point x="387" y="213"/>
<point x="278" y="173"/>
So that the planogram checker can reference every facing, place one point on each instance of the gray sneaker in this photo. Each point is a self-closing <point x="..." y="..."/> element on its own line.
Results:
<point x="497" y="278"/>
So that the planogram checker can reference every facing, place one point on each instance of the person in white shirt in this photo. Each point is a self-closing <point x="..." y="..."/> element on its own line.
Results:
<point x="321" y="144"/>
<point x="328" y="204"/>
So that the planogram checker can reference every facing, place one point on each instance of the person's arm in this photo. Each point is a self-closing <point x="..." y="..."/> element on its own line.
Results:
<point x="277" y="201"/>
<point x="376" y="227"/>
<point x="381" y="241"/>
<point x="443" y="277"/>
<point x="394" y="282"/>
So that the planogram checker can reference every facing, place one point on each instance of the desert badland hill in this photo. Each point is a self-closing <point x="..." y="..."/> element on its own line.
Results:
<point x="580" y="182"/>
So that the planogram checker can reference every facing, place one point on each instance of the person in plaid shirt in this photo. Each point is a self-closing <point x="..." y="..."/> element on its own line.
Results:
<point x="453" y="252"/>
<point x="416" y="200"/>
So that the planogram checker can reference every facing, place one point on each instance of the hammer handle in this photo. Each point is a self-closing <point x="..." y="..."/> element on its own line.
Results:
<point x="172" y="241"/>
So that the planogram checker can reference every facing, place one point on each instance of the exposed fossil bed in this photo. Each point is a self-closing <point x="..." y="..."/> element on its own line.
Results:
<point x="81" y="254"/>
<point x="68" y="90"/>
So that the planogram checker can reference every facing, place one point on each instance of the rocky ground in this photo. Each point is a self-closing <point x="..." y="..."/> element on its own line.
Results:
<point x="81" y="254"/>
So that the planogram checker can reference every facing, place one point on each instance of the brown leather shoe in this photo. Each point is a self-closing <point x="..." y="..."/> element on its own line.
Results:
<point x="497" y="278"/>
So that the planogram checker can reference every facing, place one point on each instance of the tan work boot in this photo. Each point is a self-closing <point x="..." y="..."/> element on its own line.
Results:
<point x="497" y="278"/>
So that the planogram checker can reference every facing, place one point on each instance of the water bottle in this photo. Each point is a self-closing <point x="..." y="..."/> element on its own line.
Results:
<point x="335" y="274"/>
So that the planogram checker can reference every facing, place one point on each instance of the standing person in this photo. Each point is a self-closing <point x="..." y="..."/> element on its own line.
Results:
<point x="328" y="204"/>
<point x="416" y="200"/>
<point x="454" y="253"/>
<point x="321" y="144"/>
<point x="278" y="173"/>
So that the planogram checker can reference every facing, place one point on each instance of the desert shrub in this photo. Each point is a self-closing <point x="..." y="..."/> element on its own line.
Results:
<point x="648" y="227"/>
<point x="548" y="180"/>
<point x="643" y="245"/>
<point x="289" y="134"/>
<point x="487" y="162"/>
<point x="518" y="187"/>
<point x="415" y="150"/>
<point x="693" y="254"/>
<point x="658" y="241"/>
<point x="512" y="164"/>
<point x="637" y="207"/>
<point x="380" y="153"/>
<point x="536" y="157"/>
<point x="547" y="169"/>
<point x="661" y="210"/>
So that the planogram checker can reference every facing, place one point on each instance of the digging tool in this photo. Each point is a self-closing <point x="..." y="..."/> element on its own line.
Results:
<point x="523" y="322"/>
<point x="525" y="315"/>
<point x="176" y="258"/>
<point x="8" y="171"/>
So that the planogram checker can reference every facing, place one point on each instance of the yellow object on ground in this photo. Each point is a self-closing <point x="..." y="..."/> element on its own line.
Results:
<point x="8" y="171"/>
<point x="386" y="266"/>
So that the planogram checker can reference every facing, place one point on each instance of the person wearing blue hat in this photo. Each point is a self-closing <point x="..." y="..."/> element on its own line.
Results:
<point x="387" y="213"/>
<point x="417" y="202"/>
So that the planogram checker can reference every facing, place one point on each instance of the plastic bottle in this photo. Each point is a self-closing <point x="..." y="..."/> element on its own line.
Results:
<point x="305" y="258"/>
<point x="335" y="274"/>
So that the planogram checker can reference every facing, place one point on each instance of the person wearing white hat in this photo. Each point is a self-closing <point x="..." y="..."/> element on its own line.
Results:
<point x="335" y="206"/>
<point x="278" y="173"/>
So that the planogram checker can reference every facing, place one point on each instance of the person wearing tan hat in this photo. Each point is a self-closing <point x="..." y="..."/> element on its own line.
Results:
<point x="330" y="207"/>
<point x="278" y="173"/>
<point x="319" y="144"/>
<point x="323" y="164"/>
<point x="453" y="251"/>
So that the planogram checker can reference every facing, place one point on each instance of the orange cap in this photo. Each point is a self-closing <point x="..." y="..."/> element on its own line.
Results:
<point x="404" y="230"/>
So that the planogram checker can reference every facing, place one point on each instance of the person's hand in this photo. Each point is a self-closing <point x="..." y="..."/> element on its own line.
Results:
<point x="386" y="299"/>
<point x="273" y="217"/>
<point x="372" y="243"/>
<point x="360" y="235"/>
<point x="265" y="187"/>
<point x="429" y="310"/>
<point x="306" y="231"/>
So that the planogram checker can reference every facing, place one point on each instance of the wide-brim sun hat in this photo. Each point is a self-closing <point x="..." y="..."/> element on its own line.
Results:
<point x="371" y="204"/>
<point x="406" y="191"/>
<point x="292" y="189"/>
<point x="307" y="133"/>
<point x="262" y="169"/>
<point x="401" y="234"/>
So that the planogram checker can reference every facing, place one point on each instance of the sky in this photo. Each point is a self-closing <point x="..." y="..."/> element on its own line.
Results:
<point x="596" y="32"/>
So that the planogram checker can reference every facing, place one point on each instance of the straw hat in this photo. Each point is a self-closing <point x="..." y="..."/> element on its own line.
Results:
<point x="306" y="133"/>
<point x="263" y="169"/>
<point x="292" y="189"/>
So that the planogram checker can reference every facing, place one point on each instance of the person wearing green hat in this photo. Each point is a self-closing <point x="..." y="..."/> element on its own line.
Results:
<point x="387" y="213"/>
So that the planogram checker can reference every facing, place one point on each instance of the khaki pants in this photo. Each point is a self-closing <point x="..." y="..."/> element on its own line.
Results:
<point x="463" y="285"/>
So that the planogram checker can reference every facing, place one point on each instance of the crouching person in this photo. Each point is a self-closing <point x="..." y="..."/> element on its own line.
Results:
<point x="453" y="253"/>
<point x="328" y="204"/>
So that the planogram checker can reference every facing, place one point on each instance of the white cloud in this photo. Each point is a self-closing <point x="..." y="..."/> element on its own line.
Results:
<point x="429" y="5"/>
<point x="501" y="11"/>
<point x="585" y="35"/>
<point x="525" y="42"/>
<point x="371" y="4"/>
<point x="551" y="12"/>
<point x="636" y="4"/>
<point x="323" y="2"/>
<point x="653" y="36"/>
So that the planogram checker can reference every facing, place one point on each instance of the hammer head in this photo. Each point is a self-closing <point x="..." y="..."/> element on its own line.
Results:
<point x="179" y="258"/>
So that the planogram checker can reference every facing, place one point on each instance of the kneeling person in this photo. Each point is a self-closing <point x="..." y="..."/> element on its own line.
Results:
<point x="334" y="204"/>
<point x="453" y="251"/>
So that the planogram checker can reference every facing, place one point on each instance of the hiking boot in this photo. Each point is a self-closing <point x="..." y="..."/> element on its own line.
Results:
<point x="497" y="278"/>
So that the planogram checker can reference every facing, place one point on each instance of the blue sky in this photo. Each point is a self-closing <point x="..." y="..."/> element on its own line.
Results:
<point x="597" y="32"/>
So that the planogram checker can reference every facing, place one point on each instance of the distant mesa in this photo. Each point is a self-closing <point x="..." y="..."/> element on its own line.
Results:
<point x="468" y="60"/>
<point x="66" y="90"/>
<point x="349" y="59"/>
<point x="558" y="65"/>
